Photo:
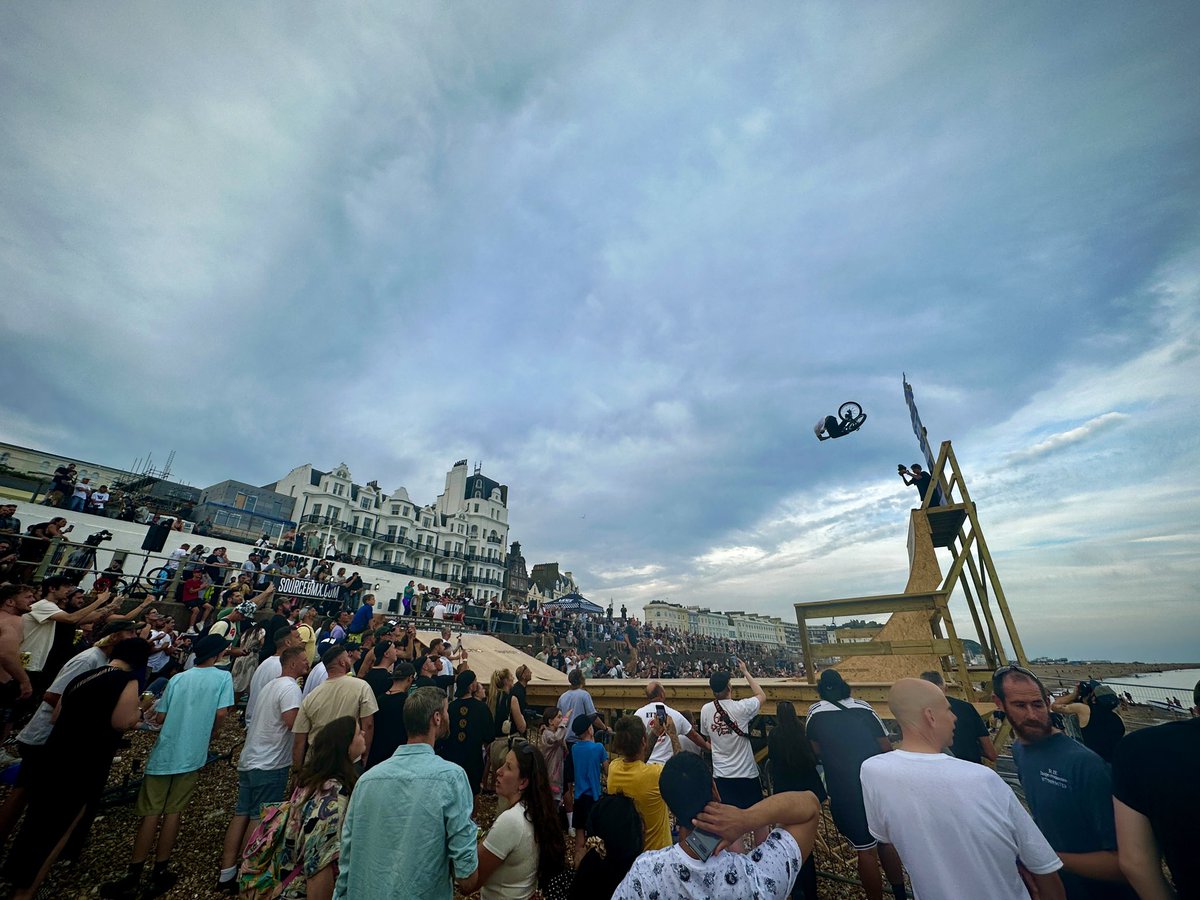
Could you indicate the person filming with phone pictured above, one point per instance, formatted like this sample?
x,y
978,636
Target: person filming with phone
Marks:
x,y
707,827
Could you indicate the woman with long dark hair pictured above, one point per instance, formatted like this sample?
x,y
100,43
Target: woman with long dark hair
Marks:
x,y
313,827
616,821
525,848
794,768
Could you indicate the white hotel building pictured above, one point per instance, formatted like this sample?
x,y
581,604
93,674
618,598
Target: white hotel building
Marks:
x,y
460,538
741,626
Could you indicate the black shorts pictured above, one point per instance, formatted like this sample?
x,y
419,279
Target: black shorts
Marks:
x,y
568,767
583,809
850,817
10,694
740,792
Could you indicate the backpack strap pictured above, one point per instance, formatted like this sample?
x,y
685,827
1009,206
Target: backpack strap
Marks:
x,y
728,719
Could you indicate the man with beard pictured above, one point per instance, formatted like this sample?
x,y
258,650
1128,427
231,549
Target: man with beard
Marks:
x,y
1068,788
408,830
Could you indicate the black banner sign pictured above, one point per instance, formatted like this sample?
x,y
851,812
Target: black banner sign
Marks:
x,y
314,590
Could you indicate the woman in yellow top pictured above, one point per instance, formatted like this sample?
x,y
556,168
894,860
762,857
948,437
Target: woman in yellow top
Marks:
x,y
631,775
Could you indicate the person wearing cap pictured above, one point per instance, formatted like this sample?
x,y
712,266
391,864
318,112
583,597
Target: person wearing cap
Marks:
x,y
191,710
590,763
383,659
1068,789
844,732
390,732
1095,705
32,738
471,730
767,872
429,670
280,619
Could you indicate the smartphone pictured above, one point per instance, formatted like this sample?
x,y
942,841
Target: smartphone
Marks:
x,y
661,712
702,843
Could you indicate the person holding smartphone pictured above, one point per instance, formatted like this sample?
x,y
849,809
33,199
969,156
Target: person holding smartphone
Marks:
x,y
707,828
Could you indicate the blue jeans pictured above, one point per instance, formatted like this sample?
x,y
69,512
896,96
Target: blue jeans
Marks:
x,y
75,504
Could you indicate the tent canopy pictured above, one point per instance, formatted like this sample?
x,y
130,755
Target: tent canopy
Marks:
x,y
574,602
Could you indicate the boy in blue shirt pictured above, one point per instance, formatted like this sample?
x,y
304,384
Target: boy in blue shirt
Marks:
x,y
590,760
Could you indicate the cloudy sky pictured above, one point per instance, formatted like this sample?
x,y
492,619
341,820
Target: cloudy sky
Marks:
x,y
625,255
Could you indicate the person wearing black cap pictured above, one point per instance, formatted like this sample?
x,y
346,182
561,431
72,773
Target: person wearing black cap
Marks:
x,y
95,710
428,668
767,872
726,723
471,729
192,709
379,676
845,732
590,762
390,732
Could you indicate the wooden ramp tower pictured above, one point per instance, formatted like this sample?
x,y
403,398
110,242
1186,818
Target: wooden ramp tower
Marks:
x,y
921,634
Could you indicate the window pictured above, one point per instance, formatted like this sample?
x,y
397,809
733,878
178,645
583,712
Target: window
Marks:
x,y
454,571
476,507
395,509
339,490
405,513
387,556
362,550
316,510
458,546
403,532
333,513
391,531
354,524
230,520
245,501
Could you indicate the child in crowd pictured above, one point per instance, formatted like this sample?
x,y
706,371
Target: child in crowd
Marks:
x,y
591,762
553,746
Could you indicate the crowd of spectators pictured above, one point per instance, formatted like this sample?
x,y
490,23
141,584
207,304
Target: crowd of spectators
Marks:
x,y
366,752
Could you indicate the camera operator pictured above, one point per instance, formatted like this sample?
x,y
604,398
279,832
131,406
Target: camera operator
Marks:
x,y
920,479
1094,704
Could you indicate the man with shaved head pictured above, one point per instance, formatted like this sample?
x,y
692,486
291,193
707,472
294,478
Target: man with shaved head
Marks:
x,y
959,829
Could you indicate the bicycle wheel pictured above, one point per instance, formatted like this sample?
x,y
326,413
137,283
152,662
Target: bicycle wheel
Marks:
x,y
159,579
849,411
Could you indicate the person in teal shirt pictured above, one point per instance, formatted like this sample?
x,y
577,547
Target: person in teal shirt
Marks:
x,y
408,831
191,711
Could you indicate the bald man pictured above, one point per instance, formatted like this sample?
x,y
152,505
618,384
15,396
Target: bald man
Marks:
x,y
959,829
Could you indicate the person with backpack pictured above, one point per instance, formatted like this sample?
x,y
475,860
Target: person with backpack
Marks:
x,y
294,852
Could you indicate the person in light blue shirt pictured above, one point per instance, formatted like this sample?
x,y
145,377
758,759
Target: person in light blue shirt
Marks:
x,y
191,711
408,831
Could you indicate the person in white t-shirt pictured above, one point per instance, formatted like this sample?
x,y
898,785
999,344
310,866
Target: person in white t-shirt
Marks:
x,y
525,847
266,757
959,829
726,723
439,610
98,500
656,697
